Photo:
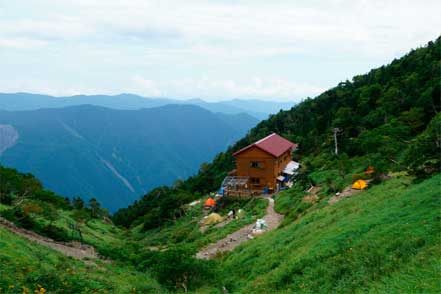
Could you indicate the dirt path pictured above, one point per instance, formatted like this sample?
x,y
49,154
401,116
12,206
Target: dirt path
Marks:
x,y
73,249
312,196
347,192
231,241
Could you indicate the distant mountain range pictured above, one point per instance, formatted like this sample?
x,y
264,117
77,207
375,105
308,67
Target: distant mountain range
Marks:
x,y
114,155
25,101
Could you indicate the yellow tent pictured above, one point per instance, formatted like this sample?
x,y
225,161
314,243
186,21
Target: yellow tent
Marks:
x,y
359,185
212,219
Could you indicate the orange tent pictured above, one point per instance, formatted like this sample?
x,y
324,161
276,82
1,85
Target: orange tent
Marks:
x,y
370,170
210,202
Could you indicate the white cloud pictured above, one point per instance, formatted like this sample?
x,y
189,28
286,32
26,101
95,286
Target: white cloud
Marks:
x,y
175,42
21,43
381,26
212,89
146,87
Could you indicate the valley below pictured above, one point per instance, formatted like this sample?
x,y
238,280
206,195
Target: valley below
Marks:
x,y
115,155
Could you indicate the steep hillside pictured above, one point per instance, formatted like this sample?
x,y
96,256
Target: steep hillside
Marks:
x,y
115,155
378,115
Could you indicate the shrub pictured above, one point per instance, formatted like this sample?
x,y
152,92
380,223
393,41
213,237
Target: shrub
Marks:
x,y
423,155
55,233
50,197
176,269
152,219
8,198
17,216
356,177
31,207
114,253
81,215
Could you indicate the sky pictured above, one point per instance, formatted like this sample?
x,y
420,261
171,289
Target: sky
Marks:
x,y
214,50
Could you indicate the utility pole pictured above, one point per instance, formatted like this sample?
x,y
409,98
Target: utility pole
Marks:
x,y
336,130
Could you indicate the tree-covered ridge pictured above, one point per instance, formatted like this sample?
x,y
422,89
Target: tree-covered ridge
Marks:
x,y
379,114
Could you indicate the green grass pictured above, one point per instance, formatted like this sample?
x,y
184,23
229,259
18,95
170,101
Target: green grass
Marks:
x,y
94,231
289,203
26,264
385,239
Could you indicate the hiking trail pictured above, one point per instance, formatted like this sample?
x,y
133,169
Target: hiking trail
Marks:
x,y
272,219
73,249
346,193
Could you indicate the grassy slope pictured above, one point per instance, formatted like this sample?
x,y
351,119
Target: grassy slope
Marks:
x,y
28,264
384,239
95,231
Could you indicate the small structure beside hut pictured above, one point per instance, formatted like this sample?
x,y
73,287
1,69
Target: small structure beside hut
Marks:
x,y
262,167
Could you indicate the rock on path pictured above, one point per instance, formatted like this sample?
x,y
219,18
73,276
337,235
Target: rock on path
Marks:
x,y
272,219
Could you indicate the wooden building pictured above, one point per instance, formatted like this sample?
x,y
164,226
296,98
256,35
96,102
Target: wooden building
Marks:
x,y
264,164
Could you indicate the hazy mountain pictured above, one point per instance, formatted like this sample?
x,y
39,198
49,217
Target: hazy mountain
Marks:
x,y
114,155
25,101
260,106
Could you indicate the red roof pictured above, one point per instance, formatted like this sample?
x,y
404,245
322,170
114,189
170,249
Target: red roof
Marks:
x,y
272,144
